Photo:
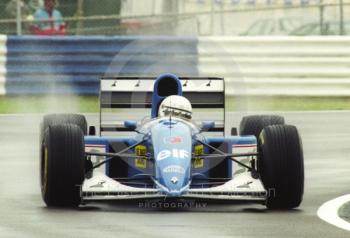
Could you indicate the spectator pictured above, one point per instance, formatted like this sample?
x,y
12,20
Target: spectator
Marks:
x,y
48,20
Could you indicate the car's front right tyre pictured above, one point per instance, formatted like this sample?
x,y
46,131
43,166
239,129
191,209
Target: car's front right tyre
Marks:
x,y
62,165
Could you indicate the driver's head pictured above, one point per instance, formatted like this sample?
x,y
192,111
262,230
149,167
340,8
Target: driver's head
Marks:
x,y
49,5
177,106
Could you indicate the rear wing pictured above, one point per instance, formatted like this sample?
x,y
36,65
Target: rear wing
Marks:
x,y
130,98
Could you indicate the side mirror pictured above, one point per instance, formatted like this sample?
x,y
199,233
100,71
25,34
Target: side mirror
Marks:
x,y
207,125
130,125
234,131
92,131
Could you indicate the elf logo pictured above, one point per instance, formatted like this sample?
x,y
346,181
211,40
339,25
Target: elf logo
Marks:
x,y
175,153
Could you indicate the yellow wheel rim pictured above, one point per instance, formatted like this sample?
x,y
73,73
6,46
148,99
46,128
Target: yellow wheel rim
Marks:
x,y
45,167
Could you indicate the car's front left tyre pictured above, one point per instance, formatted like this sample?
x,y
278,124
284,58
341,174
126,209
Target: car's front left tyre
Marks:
x,y
62,165
281,166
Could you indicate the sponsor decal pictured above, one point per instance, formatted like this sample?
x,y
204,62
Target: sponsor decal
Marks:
x,y
174,180
245,185
141,163
174,153
174,169
173,140
198,163
98,185
198,151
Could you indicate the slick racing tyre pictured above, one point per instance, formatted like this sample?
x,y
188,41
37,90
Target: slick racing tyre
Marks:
x,y
59,119
62,165
281,166
253,125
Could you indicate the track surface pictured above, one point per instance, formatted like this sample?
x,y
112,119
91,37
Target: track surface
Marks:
x,y
326,139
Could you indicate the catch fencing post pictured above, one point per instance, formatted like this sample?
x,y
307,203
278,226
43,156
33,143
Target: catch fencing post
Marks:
x,y
18,18
321,16
341,16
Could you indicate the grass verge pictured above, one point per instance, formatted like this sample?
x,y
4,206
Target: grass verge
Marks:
x,y
57,103
288,103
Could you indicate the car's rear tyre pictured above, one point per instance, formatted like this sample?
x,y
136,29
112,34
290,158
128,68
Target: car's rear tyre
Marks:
x,y
281,166
253,125
62,165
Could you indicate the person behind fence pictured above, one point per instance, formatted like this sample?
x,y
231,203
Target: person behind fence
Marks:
x,y
48,20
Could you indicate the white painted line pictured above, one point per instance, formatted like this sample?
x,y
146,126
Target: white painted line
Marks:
x,y
329,212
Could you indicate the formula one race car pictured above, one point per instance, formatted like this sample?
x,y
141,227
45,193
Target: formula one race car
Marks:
x,y
173,153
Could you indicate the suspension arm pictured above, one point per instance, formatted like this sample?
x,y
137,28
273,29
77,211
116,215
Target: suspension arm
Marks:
x,y
226,155
119,154
115,155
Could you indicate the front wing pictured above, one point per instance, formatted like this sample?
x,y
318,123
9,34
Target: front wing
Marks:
x,y
242,187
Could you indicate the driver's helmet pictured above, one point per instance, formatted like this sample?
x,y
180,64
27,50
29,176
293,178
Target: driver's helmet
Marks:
x,y
177,106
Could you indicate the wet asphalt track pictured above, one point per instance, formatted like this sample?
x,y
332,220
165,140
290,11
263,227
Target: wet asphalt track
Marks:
x,y
326,138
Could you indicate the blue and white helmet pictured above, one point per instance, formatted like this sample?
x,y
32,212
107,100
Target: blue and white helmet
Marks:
x,y
177,106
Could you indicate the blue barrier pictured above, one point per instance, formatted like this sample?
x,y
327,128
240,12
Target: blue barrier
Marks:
x,y
42,65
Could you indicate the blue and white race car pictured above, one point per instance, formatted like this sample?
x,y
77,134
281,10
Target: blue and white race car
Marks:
x,y
172,153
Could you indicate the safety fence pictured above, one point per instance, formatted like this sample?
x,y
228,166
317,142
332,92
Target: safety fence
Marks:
x,y
287,66
33,65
